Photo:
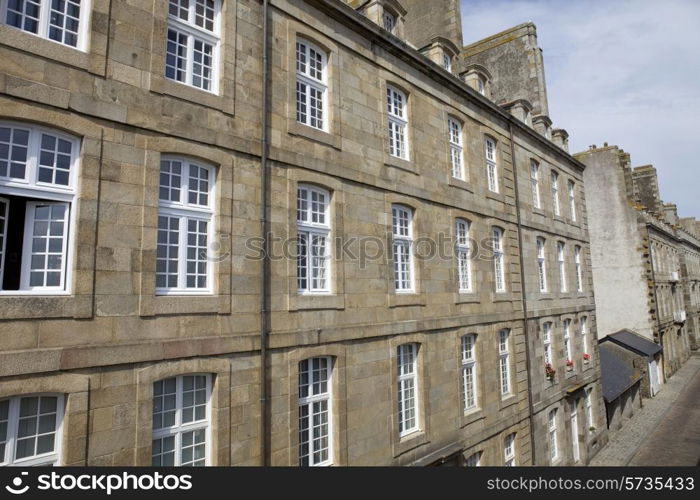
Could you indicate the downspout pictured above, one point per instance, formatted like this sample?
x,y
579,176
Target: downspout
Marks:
x,y
523,295
264,264
658,312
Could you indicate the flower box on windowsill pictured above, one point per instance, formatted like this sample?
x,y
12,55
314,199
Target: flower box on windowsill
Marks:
x,y
549,372
586,359
569,365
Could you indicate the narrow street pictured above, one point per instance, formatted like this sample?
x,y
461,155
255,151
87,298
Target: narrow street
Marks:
x,y
666,431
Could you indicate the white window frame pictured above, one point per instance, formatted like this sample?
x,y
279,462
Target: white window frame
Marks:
x,y
447,62
388,21
504,362
481,85
574,431
312,230
588,401
186,212
311,82
555,194
454,136
406,378
397,114
553,436
30,187
509,450
4,217
309,401
474,460
535,183
178,429
30,217
491,164
542,264
584,335
566,326
198,33
470,392
579,273
498,260
44,459
404,280
547,343
572,199
44,24
463,252
561,252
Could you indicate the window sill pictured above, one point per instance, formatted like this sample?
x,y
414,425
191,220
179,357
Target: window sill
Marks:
x,y
184,304
401,164
34,306
545,296
496,196
502,297
300,130
467,298
316,302
538,211
471,416
161,85
406,299
460,184
559,218
409,442
508,401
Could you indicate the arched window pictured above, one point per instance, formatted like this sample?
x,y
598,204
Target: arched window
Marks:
x,y
509,451
181,421
38,175
542,264
561,252
315,412
311,86
498,260
579,272
567,340
185,213
462,249
30,429
469,372
535,182
192,49
313,239
555,193
402,234
572,200
547,342
398,122
491,164
504,361
407,355
64,22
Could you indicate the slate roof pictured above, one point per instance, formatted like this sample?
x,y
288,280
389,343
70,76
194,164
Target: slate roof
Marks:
x,y
617,375
636,343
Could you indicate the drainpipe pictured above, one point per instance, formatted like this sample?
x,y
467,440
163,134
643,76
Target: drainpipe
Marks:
x,y
523,295
265,262
658,312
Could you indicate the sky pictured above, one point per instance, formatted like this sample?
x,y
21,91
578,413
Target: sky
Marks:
x,y
626,72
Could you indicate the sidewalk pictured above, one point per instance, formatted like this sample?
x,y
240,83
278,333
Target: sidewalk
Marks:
x,y
624,445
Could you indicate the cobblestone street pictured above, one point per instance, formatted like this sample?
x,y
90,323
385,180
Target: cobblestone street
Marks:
x,y
666,431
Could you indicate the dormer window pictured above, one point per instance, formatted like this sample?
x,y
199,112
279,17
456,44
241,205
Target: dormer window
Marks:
x,y
447,62
481,85
389,21
478,78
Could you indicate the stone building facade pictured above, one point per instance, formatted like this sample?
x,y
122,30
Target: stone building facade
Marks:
x,y
643,258
137,317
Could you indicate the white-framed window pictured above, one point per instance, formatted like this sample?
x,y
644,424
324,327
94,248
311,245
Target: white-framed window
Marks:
x,y
555,193
588,401
313,240
474,460
38,175
491,164
572,200
447,62
481,85
185,220
498,260
30,430
456,148
193,39
398,122
469,372
311,85
535,182
584,335
509,451
553,438
64,21
561,252
567,339
504,360
315,410
402,233
574,431
389,21
407,388
547,342
462,248
542,264
181,421
579,274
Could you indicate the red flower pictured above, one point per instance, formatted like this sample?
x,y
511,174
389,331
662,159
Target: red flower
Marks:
x,y
569,362
586,356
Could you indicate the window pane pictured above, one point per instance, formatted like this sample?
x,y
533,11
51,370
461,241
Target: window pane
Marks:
x,y
14,145
64,21
176,56
49,223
